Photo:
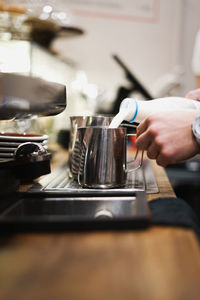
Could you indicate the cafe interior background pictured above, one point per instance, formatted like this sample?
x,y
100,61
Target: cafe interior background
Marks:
x,y
153,40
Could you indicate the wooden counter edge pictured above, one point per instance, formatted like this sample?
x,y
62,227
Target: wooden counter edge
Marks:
x,y
164,185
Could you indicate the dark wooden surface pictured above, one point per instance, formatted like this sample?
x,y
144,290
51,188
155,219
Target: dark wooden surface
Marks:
x,y
157,263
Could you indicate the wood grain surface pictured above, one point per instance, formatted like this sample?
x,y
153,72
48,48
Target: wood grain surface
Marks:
x,y
165,188
158,263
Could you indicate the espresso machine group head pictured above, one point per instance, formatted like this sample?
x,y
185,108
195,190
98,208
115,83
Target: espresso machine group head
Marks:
x,y
22,96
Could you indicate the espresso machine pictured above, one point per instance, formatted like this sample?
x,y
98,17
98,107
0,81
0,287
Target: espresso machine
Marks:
x,y
23,156
55,200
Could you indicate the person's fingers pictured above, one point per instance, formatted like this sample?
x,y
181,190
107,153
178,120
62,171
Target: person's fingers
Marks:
x,y
142,127
146,133
166,157
162,160
143,141
153,151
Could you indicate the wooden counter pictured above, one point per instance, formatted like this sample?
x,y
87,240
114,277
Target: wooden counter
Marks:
x,y
158,263
165,188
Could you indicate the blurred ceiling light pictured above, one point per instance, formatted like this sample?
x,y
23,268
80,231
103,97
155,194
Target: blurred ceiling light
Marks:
x,y
47,9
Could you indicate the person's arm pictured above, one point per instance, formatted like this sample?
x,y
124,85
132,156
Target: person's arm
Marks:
x,y
167,137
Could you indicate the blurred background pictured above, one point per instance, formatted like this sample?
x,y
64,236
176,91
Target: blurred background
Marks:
x,y
105,51
74,42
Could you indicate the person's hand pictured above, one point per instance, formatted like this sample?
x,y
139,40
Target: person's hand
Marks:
x,y
194,94
167,137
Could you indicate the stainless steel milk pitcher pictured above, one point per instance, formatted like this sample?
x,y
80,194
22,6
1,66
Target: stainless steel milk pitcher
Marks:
x,y
74,145
103,157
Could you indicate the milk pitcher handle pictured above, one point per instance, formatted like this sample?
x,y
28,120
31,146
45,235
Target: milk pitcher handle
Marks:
x,y
135,158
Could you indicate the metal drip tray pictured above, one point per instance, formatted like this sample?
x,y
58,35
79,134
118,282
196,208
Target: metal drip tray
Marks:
x,y
57,203
59,182
67,213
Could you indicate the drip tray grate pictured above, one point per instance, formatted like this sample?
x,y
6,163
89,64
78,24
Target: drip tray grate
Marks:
x,y
59,181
